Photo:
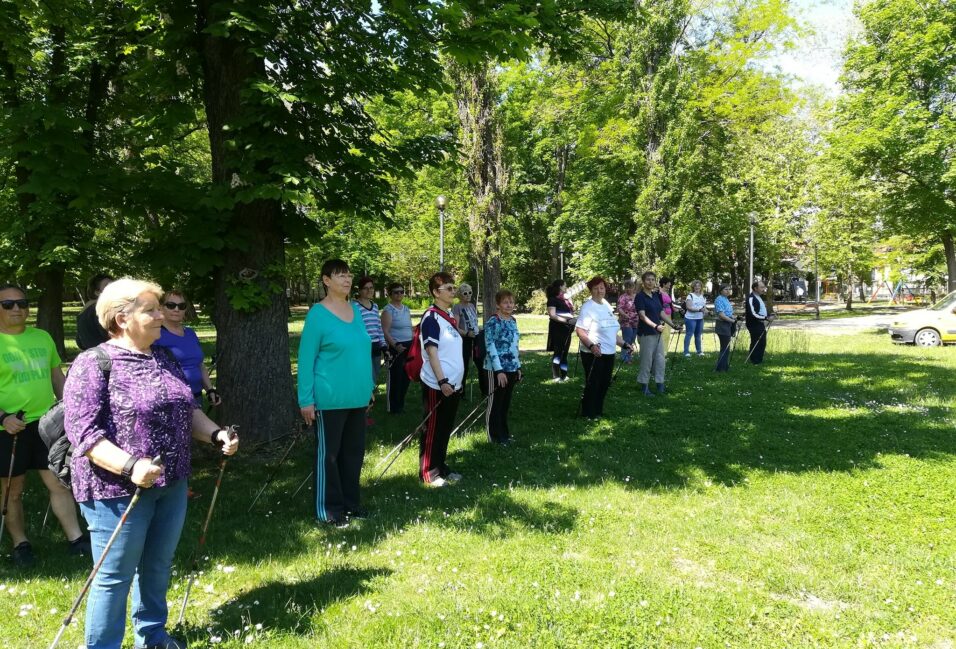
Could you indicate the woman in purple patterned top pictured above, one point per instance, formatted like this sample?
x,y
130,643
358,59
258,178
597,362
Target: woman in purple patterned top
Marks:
x,y
117,421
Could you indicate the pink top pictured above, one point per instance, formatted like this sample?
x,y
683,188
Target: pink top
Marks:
x,y
667,303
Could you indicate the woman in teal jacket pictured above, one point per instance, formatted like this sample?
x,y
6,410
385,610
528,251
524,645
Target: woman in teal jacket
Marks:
x,y
335,389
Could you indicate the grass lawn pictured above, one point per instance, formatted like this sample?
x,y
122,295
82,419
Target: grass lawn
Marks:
x,y
805,503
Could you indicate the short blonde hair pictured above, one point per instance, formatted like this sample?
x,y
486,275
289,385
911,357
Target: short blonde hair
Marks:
x,y
118,296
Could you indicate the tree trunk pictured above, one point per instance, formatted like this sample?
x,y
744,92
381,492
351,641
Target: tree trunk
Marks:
x,y
252,349
481,150
849,289
950,250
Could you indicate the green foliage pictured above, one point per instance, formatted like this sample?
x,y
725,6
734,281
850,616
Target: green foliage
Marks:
x,y
896,125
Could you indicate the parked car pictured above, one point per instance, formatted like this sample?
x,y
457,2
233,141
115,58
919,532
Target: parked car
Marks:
x,y
928,327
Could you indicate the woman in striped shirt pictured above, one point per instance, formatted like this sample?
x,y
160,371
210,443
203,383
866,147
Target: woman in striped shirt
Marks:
x,y
372,321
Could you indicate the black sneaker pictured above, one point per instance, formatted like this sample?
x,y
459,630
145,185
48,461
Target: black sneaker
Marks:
x,y
23,555
338,522
168,643
81,547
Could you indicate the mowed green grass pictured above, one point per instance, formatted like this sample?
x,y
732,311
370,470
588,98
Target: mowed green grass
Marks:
x,y
805,503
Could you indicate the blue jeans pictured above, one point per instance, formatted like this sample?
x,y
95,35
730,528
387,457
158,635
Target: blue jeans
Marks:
x,y
141,557
694,328
629,334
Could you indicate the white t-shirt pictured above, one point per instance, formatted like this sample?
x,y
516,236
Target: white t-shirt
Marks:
x,y
598,319
435,330
696,302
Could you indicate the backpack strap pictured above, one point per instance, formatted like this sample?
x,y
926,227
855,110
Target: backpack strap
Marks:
x,y
104,360
449,319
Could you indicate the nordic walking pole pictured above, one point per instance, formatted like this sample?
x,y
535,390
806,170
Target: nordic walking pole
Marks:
x,y
301,486
45,517
275,471
759,338
156,461
205,528
6,496
397,450
472,415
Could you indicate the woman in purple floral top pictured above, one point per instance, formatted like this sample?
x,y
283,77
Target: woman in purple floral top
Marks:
x,y
627,316
117,421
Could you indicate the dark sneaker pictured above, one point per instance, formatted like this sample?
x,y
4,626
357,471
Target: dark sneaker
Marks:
x,y
80,547
359,513
168,643
338,522
23,555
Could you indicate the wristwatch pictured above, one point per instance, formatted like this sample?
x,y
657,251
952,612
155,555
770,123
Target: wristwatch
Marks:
x,y
442,382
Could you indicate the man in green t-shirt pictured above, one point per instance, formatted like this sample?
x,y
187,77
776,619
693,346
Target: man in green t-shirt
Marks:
x,y
30,383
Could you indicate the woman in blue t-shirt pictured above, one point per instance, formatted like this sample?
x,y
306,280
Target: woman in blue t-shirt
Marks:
x,y
183,342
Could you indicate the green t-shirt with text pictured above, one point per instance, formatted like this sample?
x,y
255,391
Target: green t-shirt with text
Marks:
x,y
26,362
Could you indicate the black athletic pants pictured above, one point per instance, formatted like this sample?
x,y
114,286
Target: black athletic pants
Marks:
x,y
397,381
340,451
433,444
499,402
758,341
597,380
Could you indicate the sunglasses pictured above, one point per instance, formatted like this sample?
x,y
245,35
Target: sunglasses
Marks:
x,y
447,287
172,306
466,292
9,304
398,291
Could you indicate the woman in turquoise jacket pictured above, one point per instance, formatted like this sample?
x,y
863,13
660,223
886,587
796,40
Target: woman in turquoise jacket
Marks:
x,y
335,389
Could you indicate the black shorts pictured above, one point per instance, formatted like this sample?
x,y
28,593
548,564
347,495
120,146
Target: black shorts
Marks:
x,y
31,451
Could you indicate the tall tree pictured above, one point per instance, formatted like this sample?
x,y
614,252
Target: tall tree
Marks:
x,y
896,124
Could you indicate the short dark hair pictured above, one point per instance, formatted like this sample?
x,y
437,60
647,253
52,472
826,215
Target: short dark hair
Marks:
x,y
725,286
93,284
10,285
757,282
365,279
554,288
394,285
594,281
174,291
665,280
334,267
437,280
502,294
648,273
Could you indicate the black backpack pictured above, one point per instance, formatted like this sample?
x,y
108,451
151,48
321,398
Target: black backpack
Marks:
x,y
53,431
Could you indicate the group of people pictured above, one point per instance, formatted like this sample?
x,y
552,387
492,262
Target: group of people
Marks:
x,y
133,403
336,384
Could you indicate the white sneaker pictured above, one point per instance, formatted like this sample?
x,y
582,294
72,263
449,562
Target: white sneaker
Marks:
x,y
453,477
686,354
699,354
437,482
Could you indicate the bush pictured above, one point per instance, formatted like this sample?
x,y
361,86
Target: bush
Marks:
x,y
537,303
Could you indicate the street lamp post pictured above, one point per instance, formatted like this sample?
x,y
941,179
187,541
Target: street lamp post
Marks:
x,y
441,201
753,222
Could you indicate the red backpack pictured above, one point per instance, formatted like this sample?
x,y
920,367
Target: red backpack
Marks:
x,y
415,358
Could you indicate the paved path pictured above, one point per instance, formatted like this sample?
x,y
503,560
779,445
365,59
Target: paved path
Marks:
x,y
842,326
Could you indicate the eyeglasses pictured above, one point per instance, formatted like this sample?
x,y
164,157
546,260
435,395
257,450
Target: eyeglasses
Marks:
x,y
447,287
398,291
172,306
9,304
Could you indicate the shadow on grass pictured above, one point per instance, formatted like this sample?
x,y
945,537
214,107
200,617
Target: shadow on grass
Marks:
x,y
798,412
289,606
